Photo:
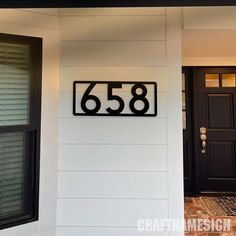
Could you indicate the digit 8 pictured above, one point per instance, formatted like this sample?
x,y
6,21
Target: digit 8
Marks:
x,y
137,97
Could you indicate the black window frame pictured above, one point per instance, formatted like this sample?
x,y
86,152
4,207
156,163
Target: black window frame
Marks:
x,y
32,133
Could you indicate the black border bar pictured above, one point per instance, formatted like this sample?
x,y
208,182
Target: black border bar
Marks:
x,y
111,3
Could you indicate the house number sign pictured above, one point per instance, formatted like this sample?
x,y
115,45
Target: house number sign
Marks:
x,y
116,98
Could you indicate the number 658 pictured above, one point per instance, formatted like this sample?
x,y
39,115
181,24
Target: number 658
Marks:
x,y
138,90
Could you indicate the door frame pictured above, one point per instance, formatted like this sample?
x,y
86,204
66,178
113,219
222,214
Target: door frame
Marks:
x,y
189,180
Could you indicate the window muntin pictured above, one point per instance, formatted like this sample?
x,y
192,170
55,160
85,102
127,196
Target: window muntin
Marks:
x,y
20,95
220,80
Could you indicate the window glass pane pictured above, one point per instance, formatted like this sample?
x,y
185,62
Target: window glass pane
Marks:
x,y
212,80
14,84
183,81
12,152
228,80
184,119
183,101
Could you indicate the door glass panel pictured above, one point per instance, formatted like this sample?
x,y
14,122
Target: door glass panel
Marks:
x,y
184,119
212,80
183,82
183,101
228,80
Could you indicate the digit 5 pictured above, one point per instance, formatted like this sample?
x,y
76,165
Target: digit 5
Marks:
x,y
110,96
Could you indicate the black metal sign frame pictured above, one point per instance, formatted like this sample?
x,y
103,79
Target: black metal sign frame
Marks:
x,y
117,112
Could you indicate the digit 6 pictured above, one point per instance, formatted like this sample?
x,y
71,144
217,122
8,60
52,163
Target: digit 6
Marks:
x,y
86,97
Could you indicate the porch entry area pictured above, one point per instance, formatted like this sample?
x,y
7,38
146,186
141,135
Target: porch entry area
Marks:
x,y
209,135
209,117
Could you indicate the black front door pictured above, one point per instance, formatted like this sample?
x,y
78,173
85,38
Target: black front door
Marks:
x,y
214,128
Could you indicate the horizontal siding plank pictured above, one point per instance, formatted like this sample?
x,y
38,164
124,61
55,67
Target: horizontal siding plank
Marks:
x,y
113,53
113,157
108,212
211,17
47,11
49,232
112,185
113,11
113,130
29,18
113,28
66,103
95,231
71,74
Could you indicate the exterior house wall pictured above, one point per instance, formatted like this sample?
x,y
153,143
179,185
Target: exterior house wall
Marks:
x,y
115,170
42,24
112,170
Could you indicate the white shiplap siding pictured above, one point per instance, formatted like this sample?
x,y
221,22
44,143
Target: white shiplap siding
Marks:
x,y
112,184
109,212
105,231
112,170
113,53
135,28
68,74
116,11
112,130
117,158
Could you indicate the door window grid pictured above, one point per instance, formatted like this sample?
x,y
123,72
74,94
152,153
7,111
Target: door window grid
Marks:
x,y
220,80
